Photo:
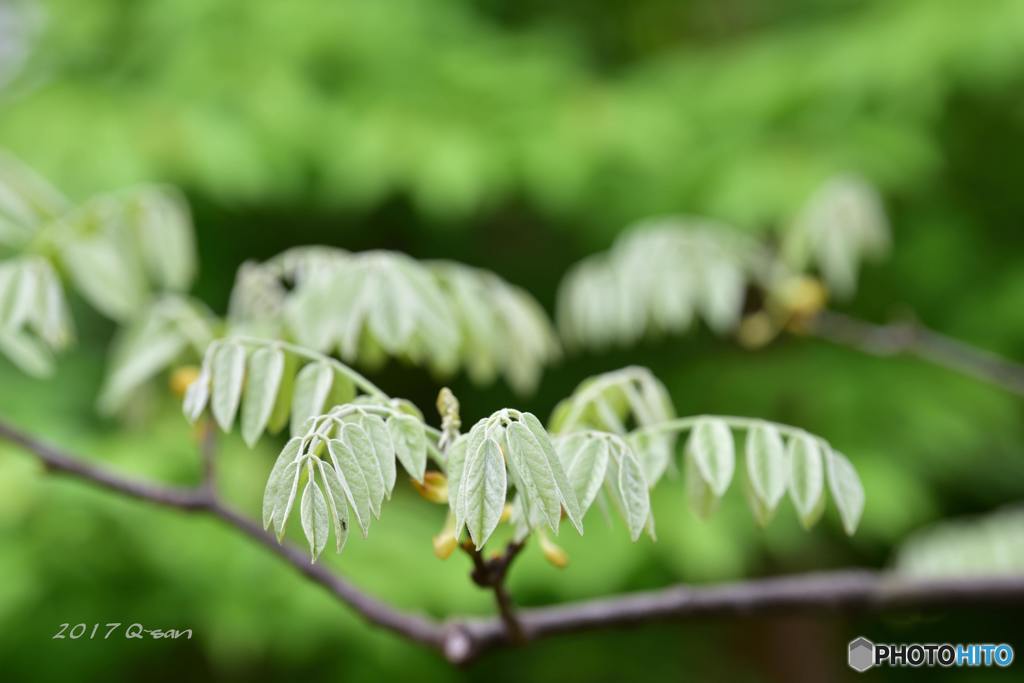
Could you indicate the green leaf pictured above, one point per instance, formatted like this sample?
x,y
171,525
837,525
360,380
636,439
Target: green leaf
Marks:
x,y
266,366
353,480
106,275
766,465
366,458
585,460
806,479
455,466
565,490
312,385
313,511
410,444
846,489
699,495
164,230
336,502
285,392
632,492
712,448
483,489
383,449
27,353
532,471
228,374
282,483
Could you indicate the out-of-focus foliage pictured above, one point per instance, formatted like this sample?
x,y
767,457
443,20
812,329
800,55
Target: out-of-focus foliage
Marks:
x,y
346,103
986,546
521,137
118,250
369,306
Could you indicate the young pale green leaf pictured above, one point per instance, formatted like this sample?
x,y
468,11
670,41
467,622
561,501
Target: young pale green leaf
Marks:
x,y
353,480
281,487
846,489
27,353
106,275
483,491
228,375
383,449
766,465
196,397
410,444
164,230
712,448
699,494
806,479
391,320
263,379
762,513
532,472
585,460
312,385
285,392
366,458
456,465
565,489
313,511
633,492
335,502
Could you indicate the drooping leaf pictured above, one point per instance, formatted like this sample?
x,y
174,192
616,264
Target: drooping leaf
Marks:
x,y
565,489
358,441
336,502
585,460
806,478
699,495
483,491
313,511
847,491
766,465
353,480
279,494
633,492
533,474
383,449
410,444
312,385
263,378
455,466
228,375
713,453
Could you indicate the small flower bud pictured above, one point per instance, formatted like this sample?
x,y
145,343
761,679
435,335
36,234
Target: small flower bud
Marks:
x,y
434,487
181,378
553,553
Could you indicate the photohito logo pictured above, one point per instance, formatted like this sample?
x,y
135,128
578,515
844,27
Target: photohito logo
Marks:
x,y
862,654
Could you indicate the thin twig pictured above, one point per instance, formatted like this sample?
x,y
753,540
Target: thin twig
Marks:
x,y
491,574
917,340
463,639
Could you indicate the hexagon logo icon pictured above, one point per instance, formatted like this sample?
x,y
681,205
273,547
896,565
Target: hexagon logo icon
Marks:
x,y
861,654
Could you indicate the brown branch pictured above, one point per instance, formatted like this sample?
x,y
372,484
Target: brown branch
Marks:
x,y
202,499
461,640
491,574
915,339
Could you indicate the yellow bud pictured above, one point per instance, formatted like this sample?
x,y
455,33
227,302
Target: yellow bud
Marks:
x,y
506,513
800,296
181,378
434,487
445,544
553,553
756,330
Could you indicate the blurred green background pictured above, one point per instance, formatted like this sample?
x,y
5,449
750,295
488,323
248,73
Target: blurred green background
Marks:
x,y
520,136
